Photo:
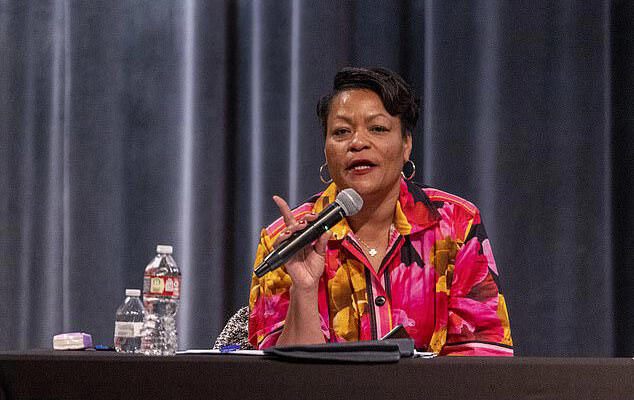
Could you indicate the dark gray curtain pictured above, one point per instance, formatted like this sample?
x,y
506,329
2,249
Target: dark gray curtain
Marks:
x,y
132,123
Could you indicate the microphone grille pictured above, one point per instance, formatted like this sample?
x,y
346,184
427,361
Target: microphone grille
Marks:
x,y
350,201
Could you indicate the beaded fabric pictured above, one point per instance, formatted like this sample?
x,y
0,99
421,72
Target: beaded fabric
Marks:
x,y
236,331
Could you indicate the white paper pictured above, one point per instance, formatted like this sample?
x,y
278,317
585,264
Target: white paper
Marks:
x,y
214,351
424,354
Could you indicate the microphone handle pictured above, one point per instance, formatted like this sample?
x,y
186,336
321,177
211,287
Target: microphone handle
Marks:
x,y
284,251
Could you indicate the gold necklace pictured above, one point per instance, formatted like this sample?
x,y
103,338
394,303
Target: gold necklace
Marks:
x,y
371,250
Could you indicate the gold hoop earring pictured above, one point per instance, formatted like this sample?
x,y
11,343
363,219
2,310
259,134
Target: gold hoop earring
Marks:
x,y
408,178
321,174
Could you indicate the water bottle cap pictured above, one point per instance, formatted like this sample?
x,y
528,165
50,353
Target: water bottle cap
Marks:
x,y
164,249
132,292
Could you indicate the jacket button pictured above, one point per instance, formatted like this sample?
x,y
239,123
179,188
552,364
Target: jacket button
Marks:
x,y
379,301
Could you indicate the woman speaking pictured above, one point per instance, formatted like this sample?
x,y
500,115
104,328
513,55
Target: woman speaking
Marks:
x,y
414,256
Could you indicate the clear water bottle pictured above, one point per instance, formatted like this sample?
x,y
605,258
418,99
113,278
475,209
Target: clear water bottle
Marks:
x,y
128,323
161,296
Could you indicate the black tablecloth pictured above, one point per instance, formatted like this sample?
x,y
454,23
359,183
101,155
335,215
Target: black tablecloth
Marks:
x,y
107,375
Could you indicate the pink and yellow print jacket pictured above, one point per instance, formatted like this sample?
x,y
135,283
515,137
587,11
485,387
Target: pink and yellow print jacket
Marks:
x,y
438,279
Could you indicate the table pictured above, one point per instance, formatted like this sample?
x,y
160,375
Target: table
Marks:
x,y
107,375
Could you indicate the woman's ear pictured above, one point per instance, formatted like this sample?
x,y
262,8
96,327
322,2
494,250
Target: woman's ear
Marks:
x,y
407,147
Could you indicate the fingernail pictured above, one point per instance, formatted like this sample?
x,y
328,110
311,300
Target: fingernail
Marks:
x,y
287,231
302,222
312,213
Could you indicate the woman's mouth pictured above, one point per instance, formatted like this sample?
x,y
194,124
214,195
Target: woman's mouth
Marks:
x,y
360,166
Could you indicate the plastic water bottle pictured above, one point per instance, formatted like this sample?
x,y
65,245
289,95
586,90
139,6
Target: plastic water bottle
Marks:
x,y
161,296
128,323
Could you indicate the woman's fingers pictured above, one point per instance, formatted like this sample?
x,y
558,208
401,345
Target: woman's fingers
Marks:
x,y
285,210
321,243
298,226
282,236
310,217
291,223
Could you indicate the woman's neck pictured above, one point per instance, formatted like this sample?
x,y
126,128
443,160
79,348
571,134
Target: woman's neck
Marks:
x,y
375,218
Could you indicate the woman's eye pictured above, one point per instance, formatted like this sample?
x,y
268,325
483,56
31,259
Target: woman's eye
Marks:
x,y
379,129
339,132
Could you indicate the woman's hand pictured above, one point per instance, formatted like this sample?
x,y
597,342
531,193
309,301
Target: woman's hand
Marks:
x,y
302,324
307,266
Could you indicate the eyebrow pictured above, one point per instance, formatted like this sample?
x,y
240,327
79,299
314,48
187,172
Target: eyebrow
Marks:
x,y
368,118
373,116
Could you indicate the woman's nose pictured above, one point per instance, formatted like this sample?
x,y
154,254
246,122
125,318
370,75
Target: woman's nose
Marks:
x,y
359,140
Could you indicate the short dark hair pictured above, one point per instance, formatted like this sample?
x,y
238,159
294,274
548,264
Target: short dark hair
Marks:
x,y
397,95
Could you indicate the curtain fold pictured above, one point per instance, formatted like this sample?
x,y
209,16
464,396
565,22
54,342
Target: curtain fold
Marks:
x,y
125,125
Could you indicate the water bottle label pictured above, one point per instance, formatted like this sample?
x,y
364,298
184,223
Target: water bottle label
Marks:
x,y
128,329
168,286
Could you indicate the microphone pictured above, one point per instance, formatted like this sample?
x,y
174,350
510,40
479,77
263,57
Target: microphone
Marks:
x,y
348,202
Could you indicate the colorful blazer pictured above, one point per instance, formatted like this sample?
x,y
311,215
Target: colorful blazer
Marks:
x,y
438,279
